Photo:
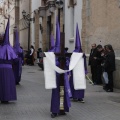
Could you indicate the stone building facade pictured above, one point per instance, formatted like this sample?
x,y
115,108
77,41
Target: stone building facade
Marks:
x,y
24,24
69,17
72,17
44,13
102,23
9,7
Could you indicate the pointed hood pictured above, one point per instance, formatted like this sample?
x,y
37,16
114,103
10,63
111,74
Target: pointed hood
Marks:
x,y
57,43
78,47
16,46
6,35
52,44
6,51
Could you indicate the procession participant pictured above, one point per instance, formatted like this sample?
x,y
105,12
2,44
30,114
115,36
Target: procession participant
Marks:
x,y
19,52
55,99
77,95
7,80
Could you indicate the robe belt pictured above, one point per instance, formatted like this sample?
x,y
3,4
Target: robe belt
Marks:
x,y
5,66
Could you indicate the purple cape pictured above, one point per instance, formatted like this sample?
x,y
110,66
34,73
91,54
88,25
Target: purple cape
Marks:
x,y
7,80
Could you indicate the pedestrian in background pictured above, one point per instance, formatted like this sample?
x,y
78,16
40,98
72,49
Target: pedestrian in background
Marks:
x,y
93,63
99,59
17,67
39,54
32,53
110,66
104,73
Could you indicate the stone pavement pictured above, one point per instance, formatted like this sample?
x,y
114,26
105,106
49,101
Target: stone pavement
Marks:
x,y
34,101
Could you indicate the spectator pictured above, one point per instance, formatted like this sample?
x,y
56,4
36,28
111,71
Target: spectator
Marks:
x,y
99,58
110,66
93,63
105,75
32,52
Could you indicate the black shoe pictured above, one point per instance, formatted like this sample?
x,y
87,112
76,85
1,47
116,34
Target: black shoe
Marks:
x,y
110,90
75,100
81,100
62,113
105,88
53,115
4,102
17,83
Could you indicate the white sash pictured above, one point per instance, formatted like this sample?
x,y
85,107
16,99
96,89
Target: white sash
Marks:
x,y
76,64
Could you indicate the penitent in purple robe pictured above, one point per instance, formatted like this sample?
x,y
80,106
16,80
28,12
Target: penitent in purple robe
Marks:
x,y
17,67
7,80
77,94
55,98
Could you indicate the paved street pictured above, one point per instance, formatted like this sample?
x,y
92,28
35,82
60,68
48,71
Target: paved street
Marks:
x,y
34,101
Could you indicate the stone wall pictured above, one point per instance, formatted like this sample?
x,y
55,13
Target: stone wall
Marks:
x,y
102,23
23,25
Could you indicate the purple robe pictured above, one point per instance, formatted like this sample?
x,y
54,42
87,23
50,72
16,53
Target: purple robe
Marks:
x,y
77,94
7,80
55,99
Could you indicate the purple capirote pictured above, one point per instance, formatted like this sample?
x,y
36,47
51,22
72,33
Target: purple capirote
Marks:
x,y
57,43
55,98
7,80
77,94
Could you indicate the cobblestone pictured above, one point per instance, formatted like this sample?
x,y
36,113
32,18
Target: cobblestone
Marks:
x,y
33,101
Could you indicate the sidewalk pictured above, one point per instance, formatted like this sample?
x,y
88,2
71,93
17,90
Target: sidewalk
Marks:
x,y
34,101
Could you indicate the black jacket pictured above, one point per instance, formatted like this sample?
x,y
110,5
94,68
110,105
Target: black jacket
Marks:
x,y
93,54
110,62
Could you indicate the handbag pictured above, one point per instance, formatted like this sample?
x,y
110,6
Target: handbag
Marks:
x,y
105,76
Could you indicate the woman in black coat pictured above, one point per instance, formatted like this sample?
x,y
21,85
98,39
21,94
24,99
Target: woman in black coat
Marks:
x,y
110,66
